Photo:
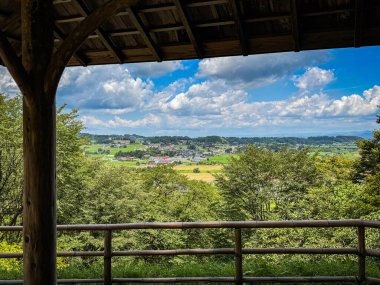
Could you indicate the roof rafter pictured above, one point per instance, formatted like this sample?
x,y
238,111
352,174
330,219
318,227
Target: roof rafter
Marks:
x,y
101,34
295,24
189,28
239,27
144,34
79,57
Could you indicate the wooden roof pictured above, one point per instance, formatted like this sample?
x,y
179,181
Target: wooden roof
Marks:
x,y
156,30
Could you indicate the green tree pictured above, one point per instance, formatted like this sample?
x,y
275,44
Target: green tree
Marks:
x,y
261,182
70,161
368,169
11,165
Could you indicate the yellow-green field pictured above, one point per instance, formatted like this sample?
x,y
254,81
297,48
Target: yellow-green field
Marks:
x,y
206,172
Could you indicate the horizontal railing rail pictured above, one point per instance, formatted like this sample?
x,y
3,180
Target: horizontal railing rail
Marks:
x,y
238,251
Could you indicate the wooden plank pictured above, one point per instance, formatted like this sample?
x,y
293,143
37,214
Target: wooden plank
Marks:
x,y
100,32
215,23
56,2
206,3
144,34
324,13
239,27
188,26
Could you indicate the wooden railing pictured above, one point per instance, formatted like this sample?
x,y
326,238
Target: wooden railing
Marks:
x,y
238,251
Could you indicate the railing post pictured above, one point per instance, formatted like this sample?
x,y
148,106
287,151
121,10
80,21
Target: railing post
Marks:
x,y
361,248
238,258
107,257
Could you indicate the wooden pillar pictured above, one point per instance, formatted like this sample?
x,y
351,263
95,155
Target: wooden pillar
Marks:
x,y
39,217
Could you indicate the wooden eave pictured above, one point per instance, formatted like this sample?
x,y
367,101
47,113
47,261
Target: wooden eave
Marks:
x,y
159,30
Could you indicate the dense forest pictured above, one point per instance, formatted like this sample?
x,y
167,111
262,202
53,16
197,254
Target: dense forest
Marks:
x,y
259,184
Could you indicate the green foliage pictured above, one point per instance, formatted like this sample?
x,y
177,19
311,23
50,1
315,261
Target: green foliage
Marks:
x,y
9,265
262,181
367,169
10,160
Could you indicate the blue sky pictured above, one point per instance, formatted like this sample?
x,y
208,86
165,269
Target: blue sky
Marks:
x,y
285,94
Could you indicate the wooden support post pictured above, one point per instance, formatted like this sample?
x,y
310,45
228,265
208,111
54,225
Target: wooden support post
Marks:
x,y
39,217
107,257
238,258
361,248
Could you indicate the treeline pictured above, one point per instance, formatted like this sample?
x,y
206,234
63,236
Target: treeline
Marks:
x,y
291,141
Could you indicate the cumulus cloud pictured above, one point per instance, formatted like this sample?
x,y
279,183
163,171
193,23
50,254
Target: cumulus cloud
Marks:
x,y
314,78
109,88
259,70
206,98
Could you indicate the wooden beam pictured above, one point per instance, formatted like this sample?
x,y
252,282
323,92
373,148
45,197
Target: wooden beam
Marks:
x,y
359,13
101,33
207,3
295,24
13,63
214,24
144,34
239,27
78,36
79,57
267,18
158,8
188,26
56,2
323,13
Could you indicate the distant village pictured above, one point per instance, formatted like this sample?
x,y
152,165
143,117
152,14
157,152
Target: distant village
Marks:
x,y
164,153
184,150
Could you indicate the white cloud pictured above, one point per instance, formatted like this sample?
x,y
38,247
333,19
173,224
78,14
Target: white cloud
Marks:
x,y
104,88
150,120
259,70
206,98
314,78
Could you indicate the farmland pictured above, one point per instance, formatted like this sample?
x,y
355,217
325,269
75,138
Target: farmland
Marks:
x,y
201,158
